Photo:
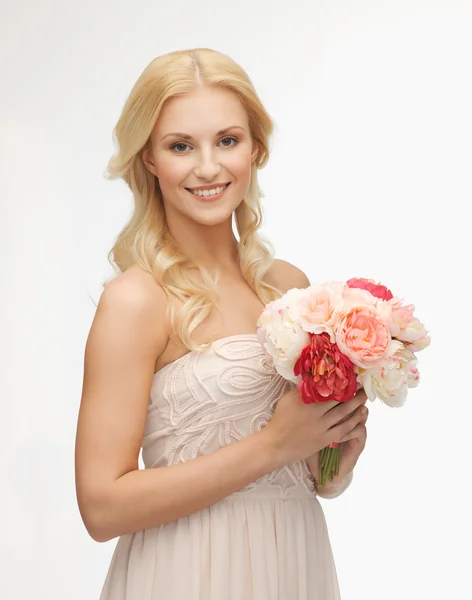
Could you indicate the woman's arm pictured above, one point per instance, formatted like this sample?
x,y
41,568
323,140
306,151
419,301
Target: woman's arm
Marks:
x,y
115,497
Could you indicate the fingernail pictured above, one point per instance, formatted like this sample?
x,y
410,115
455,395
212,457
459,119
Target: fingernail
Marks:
x,y
364,410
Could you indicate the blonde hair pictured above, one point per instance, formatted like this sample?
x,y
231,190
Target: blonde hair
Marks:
x,y
145,239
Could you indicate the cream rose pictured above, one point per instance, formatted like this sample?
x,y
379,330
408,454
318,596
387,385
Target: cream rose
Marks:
x,y
316,310
282,337
391,380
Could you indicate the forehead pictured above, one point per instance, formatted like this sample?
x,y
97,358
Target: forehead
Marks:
x,y
204,110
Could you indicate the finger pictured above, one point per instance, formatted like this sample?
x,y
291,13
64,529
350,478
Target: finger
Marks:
x,y
329,405
361,395
338,430
343,411
358,433
363,418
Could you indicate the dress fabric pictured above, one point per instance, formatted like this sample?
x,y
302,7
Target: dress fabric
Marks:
x,y
268,541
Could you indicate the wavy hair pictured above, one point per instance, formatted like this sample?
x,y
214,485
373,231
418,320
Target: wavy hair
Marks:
x,y
145,239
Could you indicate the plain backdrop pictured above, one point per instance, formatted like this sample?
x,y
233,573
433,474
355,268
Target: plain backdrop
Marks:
x,y
370,176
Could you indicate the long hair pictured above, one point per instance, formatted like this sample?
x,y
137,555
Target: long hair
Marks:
x,y
145,240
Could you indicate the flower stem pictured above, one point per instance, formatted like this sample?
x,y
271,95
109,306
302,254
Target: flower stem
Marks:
x,y
329,464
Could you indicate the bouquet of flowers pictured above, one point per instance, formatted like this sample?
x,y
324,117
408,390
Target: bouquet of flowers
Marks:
x,y
336,338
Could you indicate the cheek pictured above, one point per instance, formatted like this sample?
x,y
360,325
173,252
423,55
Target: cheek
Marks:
x,y
170,170
240,165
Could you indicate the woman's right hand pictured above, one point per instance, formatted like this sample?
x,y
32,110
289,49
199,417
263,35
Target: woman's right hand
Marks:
x,y
298,430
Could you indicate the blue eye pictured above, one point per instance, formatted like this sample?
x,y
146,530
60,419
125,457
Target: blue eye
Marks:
x,y
230,139
178,147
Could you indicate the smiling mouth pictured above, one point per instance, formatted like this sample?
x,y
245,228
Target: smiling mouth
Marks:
x,y
209,193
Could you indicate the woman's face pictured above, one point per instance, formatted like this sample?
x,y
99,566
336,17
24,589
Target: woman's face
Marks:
x,y
202,154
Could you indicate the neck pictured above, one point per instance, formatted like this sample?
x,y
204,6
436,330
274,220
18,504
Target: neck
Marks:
x,y
209,246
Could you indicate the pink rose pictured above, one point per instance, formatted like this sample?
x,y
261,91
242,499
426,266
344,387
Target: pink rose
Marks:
x,y
376,289
363,336
404,326
401,316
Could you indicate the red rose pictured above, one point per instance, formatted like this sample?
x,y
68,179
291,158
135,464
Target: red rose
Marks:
x,y
326,373
376,289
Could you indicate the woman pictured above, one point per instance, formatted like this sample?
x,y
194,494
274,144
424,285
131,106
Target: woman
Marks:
x,y
227,506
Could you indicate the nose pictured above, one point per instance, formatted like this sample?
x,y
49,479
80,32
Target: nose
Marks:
x,y
207,167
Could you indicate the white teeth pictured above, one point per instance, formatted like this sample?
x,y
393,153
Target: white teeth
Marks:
x,y
205,193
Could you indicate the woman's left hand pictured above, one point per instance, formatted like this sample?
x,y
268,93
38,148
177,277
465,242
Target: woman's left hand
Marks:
x,y
351,447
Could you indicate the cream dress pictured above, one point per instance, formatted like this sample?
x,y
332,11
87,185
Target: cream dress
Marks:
x,y
267,541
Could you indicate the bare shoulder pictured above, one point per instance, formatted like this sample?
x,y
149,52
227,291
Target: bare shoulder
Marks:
x,y
131,312
135,290
285,276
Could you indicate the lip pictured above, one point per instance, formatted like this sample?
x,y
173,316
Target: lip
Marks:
x,y
208,198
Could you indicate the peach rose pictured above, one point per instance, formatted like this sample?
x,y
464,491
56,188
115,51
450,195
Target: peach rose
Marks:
x,y
363,336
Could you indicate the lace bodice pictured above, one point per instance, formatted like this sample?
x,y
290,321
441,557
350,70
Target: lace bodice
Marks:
x,y
206,400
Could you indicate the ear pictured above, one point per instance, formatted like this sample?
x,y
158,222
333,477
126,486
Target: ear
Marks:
x,y
148,159
255,151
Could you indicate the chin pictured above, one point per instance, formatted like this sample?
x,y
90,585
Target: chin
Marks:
x,y
215,216
213,220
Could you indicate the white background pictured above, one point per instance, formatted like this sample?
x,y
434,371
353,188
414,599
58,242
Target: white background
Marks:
x,y
370,176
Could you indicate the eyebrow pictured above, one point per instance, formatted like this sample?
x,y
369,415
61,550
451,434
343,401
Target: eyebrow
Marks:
x,y
185,136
